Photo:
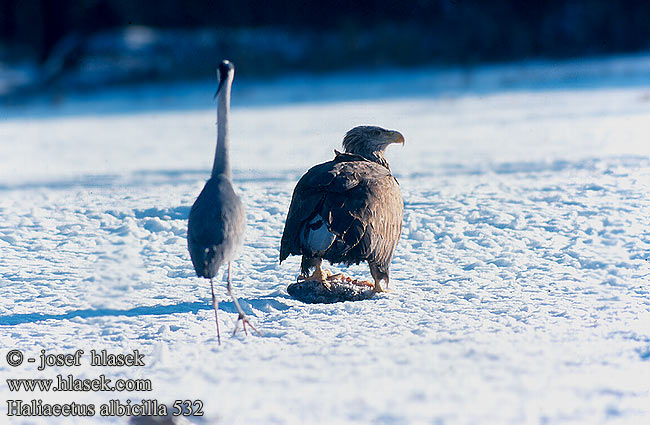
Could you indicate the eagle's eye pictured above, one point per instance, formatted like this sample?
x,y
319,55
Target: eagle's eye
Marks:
x,y
375,133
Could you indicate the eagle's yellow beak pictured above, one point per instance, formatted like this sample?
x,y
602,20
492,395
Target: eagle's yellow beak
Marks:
x,y
396,137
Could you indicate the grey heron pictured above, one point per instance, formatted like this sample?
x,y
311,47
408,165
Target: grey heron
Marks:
x,y
215,229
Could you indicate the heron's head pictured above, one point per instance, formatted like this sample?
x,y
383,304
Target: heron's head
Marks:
x,y
225,74
370,141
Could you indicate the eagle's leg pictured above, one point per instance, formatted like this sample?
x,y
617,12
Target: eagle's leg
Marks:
x,y
378,287
242,316
319,274
378,276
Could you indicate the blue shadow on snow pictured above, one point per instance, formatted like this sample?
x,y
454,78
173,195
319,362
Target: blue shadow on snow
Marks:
x,y
186,307
154,310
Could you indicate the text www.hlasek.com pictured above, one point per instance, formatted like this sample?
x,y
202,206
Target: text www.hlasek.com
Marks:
x,y
70,383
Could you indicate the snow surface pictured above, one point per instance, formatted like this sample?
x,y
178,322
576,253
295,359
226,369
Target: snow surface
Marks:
x,y
520,285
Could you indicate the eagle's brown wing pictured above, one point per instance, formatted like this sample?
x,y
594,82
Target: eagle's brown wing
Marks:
x,y
361,204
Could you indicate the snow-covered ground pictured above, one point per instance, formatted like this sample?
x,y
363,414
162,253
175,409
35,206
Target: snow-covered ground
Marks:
x,y
521,284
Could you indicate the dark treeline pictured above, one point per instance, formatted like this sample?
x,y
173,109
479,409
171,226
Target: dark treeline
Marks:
x,y
446,30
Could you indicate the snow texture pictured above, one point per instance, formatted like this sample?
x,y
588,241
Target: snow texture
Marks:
x,y
520,286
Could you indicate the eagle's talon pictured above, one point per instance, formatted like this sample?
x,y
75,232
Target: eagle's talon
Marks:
x,y
378,288
319,275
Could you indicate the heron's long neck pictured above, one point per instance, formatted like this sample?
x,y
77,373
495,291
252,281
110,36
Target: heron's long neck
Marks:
x,y
222,155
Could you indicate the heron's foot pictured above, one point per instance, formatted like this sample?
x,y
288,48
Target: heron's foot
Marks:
x,y
244,319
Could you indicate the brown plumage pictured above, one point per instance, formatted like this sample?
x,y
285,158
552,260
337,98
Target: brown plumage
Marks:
x,y
349,209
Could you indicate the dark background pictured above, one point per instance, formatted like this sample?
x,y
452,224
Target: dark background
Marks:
x,y
317,36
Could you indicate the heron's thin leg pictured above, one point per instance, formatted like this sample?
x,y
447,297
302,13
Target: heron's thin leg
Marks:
x,y
215,304
242,316
239,309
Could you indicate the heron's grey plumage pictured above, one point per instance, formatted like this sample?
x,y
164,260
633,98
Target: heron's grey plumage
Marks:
x,y
349,209
215,229
216,225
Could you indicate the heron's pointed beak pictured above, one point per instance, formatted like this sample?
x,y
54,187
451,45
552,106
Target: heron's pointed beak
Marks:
x,y
223,80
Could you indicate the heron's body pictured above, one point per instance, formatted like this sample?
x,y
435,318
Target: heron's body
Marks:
x,y
347,210
216,227
217,221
